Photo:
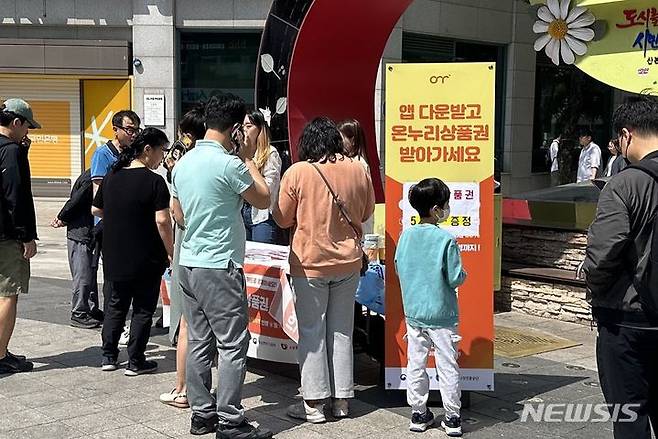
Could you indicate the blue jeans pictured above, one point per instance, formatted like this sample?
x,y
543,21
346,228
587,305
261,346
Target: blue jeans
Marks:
x,y
263,232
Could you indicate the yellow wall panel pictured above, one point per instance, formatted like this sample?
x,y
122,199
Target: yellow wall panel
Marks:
x,y
102,99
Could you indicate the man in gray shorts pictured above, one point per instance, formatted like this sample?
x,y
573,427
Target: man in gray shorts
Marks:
x,y
18,229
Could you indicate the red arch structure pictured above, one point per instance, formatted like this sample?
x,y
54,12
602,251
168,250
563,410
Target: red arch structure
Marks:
x,y
334,67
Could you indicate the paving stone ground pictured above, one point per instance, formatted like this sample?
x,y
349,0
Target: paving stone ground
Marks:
x,y
67,395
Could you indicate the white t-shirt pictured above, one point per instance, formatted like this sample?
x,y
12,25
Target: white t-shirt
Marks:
x,y
590,157
555,146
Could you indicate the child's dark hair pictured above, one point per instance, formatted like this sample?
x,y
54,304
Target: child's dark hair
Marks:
x,y
428,193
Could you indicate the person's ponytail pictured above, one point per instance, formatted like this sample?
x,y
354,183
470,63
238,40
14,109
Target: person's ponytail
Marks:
x,y
149,136
126,157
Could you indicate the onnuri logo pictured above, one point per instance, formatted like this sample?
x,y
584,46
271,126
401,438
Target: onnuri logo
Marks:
x,y
437,79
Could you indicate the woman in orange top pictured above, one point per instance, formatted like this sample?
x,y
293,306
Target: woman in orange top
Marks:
x,y
325,260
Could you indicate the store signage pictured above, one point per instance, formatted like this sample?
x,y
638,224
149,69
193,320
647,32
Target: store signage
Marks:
x,y
620,46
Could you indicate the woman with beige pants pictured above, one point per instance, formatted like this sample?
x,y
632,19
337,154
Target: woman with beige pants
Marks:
x,y
325,260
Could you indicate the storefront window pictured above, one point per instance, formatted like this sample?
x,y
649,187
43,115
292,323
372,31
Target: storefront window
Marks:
x,y
214,63
566,100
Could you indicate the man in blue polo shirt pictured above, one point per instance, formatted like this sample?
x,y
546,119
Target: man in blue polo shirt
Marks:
x,y
125,125
208,186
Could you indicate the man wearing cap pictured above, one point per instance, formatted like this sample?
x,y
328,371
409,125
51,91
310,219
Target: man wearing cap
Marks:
x,y
18,229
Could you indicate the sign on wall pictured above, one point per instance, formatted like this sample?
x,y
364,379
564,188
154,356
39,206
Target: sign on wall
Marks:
x,y
613,41
154,110
440,123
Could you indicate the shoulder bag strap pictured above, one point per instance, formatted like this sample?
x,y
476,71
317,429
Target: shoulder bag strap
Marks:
x,y
338,202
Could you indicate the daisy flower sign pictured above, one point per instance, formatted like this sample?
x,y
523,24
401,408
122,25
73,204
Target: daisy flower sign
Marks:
x,y
564,30
613,41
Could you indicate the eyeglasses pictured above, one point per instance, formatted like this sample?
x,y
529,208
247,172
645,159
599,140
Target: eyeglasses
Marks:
x,y
130,130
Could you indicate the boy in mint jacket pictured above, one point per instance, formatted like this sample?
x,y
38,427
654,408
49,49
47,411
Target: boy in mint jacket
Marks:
x,y
429,267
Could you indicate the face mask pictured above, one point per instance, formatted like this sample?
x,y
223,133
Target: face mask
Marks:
x,y
445,214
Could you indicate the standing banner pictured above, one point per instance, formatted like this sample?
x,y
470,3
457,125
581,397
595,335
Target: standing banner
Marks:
x,y
272,317
440,123
270,301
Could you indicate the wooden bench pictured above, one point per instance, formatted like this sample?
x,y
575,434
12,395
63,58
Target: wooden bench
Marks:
x,y
539,274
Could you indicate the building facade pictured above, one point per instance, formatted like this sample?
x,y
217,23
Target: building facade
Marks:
x,y
79,61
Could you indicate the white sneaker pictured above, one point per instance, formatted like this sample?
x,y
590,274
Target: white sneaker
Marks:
x,y
313,414
109,364
421,421
125,335
452,426
340,408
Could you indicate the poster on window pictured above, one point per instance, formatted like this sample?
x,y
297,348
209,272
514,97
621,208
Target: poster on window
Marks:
x,y
440,123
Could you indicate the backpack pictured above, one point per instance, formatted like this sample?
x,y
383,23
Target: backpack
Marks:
x,y
647,287
547,159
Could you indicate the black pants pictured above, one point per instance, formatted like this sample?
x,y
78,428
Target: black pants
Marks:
x,y
628,371
143,293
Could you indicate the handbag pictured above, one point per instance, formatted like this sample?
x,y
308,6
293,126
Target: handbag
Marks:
x,y
365,261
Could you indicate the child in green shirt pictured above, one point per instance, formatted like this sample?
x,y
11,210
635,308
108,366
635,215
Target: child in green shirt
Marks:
x,y
429,267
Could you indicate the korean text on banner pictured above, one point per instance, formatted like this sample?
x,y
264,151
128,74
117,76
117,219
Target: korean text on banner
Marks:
x,y
272,317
